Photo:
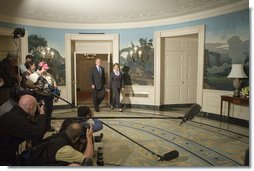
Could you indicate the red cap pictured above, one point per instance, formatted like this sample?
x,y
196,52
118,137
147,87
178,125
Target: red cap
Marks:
x,y
44,65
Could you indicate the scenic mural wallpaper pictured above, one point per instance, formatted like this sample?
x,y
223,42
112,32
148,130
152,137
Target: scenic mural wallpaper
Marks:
x,y
227,43
137,63
39,48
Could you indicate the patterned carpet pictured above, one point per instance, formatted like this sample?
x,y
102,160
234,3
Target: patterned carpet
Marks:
x,y
200,143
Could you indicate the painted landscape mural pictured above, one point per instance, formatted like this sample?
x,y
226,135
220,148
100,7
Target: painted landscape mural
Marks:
x,y
137,63
39,48
227,43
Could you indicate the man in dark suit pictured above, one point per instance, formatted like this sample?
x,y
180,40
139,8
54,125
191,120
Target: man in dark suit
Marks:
x,y
98,83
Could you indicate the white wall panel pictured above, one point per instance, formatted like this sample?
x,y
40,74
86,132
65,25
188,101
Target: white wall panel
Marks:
x,y
212,100
137,95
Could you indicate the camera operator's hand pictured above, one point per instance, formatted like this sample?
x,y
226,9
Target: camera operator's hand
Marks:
x,y
41,109
89,147
89,133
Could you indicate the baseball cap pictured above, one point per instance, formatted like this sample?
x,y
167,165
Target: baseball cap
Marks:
x,y
43,65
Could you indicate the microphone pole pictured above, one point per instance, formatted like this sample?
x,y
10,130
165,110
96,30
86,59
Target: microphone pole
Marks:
x,y
161,158
117,117
60,98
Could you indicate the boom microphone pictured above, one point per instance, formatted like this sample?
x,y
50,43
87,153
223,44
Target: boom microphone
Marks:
x,y
169,156
191,113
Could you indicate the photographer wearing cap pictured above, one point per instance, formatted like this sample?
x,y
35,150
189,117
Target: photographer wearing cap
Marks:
x,y
61,150
16,127
42,79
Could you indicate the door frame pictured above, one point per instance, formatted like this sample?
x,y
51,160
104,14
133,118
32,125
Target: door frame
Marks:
x,y
69,54
158,66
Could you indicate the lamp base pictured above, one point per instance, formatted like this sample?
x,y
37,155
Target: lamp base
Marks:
x,y
236,84
236,93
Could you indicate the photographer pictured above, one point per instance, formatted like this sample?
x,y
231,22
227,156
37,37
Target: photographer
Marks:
x,y
27,85
23,68
16,127
5,103
61,150
85,111
9,82
43,91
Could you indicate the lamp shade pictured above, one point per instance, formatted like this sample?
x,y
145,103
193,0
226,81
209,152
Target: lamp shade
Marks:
x,y
237,71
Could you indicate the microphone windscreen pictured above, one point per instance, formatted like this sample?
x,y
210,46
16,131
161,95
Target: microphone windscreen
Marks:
x,y
193,111
170,156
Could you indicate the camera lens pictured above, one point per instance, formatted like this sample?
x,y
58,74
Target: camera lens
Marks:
x,y
100,161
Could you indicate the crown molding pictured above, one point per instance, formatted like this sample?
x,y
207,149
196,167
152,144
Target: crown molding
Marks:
x,y
241,5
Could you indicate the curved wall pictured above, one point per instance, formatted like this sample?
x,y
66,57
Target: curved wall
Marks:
x,y
218,31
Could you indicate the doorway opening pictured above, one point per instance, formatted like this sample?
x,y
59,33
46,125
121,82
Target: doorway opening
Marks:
x,y
84,63
87,44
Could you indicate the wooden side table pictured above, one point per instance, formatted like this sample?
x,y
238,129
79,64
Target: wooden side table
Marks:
x,y
234,100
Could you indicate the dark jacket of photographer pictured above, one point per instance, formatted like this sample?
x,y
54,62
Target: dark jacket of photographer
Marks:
x,y
58,150
15,128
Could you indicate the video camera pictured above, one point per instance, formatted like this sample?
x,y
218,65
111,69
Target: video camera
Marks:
x,y
45,86
40,103
42,82
85,125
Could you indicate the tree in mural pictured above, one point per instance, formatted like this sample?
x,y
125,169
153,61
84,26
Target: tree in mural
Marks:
x,y
38,47
140,69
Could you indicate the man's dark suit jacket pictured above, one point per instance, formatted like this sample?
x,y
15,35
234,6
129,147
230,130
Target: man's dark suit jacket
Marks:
x,y
97,79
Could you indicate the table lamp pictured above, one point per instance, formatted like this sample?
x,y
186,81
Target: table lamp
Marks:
x,y
237,73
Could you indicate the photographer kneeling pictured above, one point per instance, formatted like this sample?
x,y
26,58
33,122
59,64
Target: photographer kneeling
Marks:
x,y
60,149
16,127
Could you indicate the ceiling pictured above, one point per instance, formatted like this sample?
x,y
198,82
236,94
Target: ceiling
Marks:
x,y
105,11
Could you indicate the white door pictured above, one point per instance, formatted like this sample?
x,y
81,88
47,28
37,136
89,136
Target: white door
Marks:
x,y
180,66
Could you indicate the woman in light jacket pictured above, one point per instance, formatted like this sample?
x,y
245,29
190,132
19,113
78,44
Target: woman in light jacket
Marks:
x,y
116,85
